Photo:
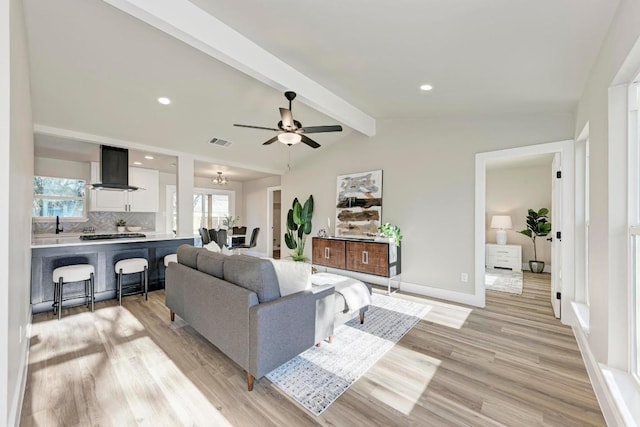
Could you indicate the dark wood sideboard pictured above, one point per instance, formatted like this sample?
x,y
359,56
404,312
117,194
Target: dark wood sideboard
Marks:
x,y
361,256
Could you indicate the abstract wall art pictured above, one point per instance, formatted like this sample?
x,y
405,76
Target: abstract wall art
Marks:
x,y
359,204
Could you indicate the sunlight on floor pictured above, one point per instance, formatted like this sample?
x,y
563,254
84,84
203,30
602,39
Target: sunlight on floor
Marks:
x,y
125,372
401,381
441,313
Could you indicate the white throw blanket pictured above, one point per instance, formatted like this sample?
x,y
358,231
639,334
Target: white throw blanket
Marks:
x,y
356,294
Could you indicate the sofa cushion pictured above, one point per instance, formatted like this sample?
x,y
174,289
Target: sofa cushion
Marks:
x,y
254,274
292,276
211,263
188,255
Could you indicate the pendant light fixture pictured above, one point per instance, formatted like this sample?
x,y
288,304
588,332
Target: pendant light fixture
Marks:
x,y
220,180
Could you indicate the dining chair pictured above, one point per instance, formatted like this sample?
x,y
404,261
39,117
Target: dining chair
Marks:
x,y
204,234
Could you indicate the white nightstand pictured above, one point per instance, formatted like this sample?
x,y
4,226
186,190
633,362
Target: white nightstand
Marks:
x,y
504,256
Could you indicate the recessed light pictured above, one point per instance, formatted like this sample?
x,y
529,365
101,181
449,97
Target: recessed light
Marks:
x,y
426,87
137,163
148,157
164,100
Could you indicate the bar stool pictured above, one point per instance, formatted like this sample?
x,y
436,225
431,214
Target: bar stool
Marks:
x,y
73,273
167,259
130,266
170,258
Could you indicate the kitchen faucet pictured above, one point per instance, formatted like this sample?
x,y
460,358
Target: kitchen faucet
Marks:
x,y
58,226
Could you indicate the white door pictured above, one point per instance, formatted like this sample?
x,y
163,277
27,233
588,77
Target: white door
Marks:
x,y
556,244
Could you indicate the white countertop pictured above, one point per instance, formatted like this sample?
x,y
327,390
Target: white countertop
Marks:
x,y
73,239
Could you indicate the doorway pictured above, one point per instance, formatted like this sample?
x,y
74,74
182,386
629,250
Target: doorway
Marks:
x,y
562,289
274,221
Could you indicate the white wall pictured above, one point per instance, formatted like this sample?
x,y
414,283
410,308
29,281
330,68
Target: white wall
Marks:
x,y
428,184
44,166
255,209
512,192
608,337
16,179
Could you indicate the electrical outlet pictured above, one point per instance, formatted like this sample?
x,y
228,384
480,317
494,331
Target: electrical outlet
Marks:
x,y
464,277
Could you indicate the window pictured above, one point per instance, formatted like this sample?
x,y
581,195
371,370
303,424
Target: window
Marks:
x,y
61,197
210,207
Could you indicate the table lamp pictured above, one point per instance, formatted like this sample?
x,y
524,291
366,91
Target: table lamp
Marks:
x,y
501,222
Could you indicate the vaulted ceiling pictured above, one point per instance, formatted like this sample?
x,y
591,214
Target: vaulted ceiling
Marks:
x,y
98,70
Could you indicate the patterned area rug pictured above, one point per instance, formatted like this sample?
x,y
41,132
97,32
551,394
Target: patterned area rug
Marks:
x,y
317,377
503,280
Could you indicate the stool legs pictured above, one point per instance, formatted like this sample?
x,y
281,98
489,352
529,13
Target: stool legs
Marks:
x,y
60,283
146,283
92,284
120,287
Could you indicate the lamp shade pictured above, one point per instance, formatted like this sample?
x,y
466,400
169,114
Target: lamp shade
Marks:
x,y
501,222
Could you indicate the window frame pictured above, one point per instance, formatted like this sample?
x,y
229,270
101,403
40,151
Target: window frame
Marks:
x,y
172,190
634,228
84,200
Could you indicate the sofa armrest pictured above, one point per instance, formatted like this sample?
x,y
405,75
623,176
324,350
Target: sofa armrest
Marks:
x,y
282,329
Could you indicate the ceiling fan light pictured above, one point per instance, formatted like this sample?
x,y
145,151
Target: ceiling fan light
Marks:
x,y
289,138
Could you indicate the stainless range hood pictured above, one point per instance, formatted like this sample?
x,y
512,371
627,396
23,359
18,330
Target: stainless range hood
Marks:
x,y
114,170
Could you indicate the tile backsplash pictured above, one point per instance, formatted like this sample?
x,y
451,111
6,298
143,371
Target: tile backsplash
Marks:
x,y
101,222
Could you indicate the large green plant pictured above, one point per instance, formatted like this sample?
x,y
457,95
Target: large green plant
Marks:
x,y
537,226
299,227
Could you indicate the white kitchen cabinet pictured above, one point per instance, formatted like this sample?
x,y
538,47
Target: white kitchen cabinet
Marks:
x,y
504,256
143,200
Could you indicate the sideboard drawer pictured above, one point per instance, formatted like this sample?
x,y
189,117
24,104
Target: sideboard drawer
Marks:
x,y
503,256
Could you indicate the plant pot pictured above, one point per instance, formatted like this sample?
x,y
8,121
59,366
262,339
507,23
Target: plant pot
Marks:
x,y
536,266
120,229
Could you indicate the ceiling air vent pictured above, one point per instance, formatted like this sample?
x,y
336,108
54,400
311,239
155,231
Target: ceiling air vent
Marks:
x,y
220,142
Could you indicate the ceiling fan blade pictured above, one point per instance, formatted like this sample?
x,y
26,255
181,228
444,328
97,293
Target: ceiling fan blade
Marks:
x,y
310,142
319,129
271,141
255,127
287,118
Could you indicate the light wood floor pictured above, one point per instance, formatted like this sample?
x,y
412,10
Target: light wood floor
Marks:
x,y
511,363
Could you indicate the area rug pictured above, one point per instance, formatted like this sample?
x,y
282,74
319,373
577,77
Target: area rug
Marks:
x,y
317,377
503,280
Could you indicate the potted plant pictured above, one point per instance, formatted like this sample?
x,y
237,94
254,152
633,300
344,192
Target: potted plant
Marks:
x,y
230,221
299,227
537,226
121,224
392,232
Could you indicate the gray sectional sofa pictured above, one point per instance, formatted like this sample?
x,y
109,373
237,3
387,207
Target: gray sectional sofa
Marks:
x,y
235,303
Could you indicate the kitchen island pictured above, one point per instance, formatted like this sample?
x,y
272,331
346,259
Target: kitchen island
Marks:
x,y
49,253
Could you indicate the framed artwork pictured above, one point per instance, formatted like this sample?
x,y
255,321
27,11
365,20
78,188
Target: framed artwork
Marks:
x,y
359,204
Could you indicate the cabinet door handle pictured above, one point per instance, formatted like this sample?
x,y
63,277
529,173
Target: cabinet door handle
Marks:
x,y
365,257
327,254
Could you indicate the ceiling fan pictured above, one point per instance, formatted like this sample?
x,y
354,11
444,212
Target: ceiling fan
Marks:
x,y
291,131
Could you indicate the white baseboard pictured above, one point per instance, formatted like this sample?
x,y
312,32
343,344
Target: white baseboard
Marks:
x,y
606,400
445,294
18,395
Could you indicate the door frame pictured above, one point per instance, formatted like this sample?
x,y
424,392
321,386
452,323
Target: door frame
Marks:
x,y
270,191
566,150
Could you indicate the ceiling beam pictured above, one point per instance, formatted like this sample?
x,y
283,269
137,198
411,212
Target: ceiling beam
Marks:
x,y
192,25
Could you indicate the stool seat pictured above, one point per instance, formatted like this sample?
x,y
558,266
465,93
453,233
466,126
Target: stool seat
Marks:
x,y
170,258
131,265
73,273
